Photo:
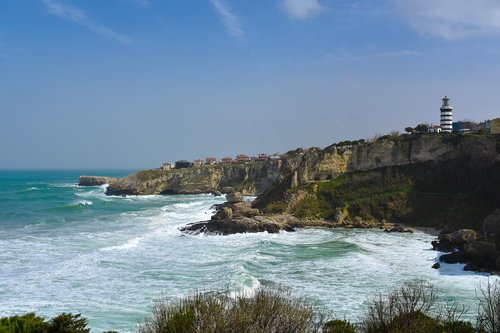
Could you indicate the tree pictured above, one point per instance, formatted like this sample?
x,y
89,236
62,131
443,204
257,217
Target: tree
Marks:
x,y
422,128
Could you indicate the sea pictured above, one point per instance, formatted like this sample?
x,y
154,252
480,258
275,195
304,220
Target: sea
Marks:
x,y
65,248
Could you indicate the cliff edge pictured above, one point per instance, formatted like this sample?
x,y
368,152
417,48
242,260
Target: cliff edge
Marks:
x,y
424,180
248,178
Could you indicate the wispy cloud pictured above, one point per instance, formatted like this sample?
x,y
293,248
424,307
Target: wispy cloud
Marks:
x,y
80,17
452,19
302,9
230,21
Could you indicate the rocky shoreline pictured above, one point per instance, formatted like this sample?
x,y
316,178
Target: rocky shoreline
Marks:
x,y
238,216
480,252
442,182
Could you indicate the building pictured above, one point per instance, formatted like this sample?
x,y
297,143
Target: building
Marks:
x,y
183,164
485,126
210,160
446,116
275,156
262,157
466,126
198,163
166,166
435,129
240,158
227,159
495,126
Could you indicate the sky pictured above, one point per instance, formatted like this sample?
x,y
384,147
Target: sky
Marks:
x,y
130,84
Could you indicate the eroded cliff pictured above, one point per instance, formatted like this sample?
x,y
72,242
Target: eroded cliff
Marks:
x,y
435,180
248,178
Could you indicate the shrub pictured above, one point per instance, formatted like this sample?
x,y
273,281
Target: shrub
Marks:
x,y
488,319
266,311
411,298
68,323
30,323
338,326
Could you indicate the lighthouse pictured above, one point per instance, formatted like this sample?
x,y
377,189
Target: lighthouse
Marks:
x,y
446,116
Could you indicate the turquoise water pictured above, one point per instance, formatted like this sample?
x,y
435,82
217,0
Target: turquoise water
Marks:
x,y
69,249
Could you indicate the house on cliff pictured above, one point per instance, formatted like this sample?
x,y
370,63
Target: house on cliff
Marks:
x,y
183,164
210,160
240,158
167,166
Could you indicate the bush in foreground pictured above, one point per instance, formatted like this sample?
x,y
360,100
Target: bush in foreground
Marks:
x,y
30,323
266,311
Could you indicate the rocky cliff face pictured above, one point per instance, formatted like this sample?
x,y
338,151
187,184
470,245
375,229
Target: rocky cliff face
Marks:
x,y
435,180
249,179
95,180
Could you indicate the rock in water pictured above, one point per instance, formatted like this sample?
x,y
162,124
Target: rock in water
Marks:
x,y
233,197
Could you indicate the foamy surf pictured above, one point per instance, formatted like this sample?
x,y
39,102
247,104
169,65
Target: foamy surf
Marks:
x,y
110,257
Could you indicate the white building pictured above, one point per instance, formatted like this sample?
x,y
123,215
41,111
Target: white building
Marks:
x,y
446,116
435,129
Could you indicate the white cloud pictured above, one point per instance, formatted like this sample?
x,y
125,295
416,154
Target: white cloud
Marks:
x,y
78,16
230,21
302,9
452,19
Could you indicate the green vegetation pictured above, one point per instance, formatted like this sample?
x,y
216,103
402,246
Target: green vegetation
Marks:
x,y
451,194
30,323
412,308
266,311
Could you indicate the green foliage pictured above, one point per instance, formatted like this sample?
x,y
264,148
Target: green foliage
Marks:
x,y
68,323
338,326
459,326
30,323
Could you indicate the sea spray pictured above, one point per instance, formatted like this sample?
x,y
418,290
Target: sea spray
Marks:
x,y
112,258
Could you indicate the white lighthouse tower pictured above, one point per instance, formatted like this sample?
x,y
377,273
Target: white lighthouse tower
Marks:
x,y
446,116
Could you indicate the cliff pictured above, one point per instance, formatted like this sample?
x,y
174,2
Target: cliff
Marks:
x,y
248,178
427,180
95,180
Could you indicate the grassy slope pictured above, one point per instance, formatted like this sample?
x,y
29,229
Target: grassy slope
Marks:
x,y
449,194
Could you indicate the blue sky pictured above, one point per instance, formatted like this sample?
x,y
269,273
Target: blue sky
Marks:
x,y
133,83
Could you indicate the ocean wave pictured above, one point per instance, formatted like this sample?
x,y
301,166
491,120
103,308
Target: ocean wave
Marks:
x,y
130,244
31,189
84,203
63,185
248,286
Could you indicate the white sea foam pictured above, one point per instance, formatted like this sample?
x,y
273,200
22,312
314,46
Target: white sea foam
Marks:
x,y
110,266
133,243
31,189
82,203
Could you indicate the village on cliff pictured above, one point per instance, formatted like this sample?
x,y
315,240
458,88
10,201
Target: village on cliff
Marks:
x,y
447,125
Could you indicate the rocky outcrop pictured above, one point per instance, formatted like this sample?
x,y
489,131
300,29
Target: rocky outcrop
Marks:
x,y
469,248
424,180
248,178
237,216
95,180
